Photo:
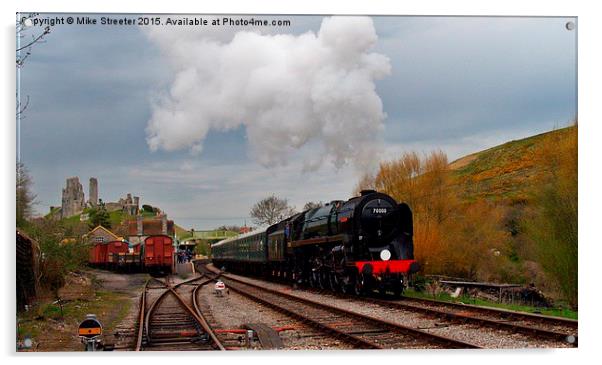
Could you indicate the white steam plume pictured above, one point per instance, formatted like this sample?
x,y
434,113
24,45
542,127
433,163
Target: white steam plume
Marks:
x,y
288,91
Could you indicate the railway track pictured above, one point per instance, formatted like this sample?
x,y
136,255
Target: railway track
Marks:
x,y
502,313
361,331
170,318
538,326
533,327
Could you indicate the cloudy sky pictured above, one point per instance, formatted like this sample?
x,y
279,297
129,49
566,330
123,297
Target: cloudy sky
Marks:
x,y
203,121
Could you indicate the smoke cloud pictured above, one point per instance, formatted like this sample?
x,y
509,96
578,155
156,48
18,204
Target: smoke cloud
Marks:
x,y
314,91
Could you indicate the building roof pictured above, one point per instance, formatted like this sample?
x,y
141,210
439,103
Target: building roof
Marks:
x,y
101,228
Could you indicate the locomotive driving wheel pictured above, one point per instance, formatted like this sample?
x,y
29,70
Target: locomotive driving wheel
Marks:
x,y
359,285
323,282
314,279
333,282
398,288
347,284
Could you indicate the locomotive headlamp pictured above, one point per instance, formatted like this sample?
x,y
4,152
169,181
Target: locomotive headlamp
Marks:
x,y
385,255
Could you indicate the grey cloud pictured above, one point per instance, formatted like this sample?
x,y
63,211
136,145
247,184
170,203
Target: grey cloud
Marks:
x,y
467,75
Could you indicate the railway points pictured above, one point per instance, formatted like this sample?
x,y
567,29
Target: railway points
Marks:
x,y
167,320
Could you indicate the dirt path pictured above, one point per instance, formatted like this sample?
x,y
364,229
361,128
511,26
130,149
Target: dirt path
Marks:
x,y
113,297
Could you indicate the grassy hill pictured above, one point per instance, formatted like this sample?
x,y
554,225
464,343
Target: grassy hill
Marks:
x,y
116,217
504,172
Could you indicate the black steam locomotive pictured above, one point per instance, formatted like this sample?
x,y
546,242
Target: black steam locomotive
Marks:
x,y
355,246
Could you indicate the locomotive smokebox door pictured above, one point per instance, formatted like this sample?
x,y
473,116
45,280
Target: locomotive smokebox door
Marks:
x,y
90,327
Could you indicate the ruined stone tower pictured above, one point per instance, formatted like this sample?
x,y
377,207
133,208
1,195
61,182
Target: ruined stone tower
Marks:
x,y
93,199
73,201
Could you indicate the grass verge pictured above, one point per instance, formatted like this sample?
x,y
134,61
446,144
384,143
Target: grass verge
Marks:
x,y
446,297
53,326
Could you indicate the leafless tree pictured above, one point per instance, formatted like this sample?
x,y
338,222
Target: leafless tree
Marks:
x,y
26,41
367,182
29,40
233,228
271,210
312,205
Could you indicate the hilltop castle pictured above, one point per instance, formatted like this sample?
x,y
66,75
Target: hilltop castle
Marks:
x,y
73,200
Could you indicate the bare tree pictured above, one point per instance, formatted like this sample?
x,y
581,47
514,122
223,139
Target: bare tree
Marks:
x,y
312,205
367,182
233,228
25,198
271,210
25,43
23,24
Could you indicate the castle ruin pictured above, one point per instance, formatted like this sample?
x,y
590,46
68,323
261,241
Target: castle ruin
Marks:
x,y
129,205
93,200
73,201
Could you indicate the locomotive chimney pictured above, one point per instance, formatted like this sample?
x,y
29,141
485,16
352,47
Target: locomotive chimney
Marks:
x,y
367,192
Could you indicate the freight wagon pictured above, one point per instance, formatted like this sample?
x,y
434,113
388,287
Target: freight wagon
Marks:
x,y
155,254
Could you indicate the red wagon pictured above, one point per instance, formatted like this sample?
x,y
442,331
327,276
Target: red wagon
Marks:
x,y
116,251
158,253
98,255
93,257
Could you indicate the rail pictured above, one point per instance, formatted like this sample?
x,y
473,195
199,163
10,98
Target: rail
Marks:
x,y
146,315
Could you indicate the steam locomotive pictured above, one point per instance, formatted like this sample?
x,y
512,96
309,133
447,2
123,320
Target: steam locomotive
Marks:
x,y
354,246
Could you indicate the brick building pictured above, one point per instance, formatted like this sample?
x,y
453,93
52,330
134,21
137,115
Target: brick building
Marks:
x,y
141,228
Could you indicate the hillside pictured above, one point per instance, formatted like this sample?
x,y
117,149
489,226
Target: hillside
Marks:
x,y
504,172
116,217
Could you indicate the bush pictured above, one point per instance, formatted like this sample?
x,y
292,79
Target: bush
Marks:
x,y
147,208
551,226
57,259
419,283
202,248
99,216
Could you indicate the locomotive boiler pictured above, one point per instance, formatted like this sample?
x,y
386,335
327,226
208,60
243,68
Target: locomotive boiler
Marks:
x,y
353,246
